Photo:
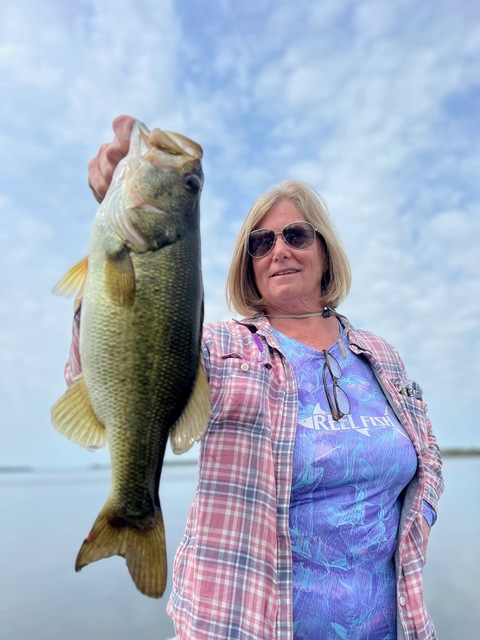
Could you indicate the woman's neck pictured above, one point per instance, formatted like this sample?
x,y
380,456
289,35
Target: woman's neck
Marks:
x,y
315,331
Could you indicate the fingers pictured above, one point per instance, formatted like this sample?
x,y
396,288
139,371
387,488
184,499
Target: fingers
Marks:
x,y
96,181
101,168
122,128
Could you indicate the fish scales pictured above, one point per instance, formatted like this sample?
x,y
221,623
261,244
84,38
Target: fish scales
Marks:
x,y
141,318
150,335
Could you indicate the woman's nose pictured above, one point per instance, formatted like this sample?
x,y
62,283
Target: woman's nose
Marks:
x,y
280,248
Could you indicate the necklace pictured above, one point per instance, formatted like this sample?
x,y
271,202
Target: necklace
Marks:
x,y
326,313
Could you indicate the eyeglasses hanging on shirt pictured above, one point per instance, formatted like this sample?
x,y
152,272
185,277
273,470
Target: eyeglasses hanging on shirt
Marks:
x,y
336,397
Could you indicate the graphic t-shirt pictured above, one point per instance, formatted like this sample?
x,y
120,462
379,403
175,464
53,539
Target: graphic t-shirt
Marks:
x,y
348,476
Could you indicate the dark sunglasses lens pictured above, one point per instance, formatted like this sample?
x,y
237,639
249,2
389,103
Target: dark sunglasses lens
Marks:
x,y
260,242
299,235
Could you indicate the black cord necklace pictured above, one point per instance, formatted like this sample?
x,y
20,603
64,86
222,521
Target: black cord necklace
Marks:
x,y
326,313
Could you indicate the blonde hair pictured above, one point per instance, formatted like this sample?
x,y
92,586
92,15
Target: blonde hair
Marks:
x,y
242,294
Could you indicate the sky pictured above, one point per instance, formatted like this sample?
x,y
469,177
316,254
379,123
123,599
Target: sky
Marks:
x,y
375,104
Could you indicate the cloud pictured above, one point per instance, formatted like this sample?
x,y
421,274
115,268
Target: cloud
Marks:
x,y
374,104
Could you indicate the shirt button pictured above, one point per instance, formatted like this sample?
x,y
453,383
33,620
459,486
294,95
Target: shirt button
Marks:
x,y
244,367
402,601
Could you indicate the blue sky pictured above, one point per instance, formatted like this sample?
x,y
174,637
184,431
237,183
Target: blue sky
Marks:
x,y
376,104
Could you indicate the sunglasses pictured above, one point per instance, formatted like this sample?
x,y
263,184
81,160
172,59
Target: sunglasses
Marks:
x,y
337,398
298,235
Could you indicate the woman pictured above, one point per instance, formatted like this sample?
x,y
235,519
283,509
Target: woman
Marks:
x,y
319,475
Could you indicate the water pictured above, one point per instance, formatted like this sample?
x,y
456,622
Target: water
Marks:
x,y
45,516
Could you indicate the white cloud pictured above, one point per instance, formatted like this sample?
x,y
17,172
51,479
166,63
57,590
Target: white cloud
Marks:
x,y
372,102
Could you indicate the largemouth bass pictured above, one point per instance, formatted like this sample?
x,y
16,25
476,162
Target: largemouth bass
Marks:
x,y
141,319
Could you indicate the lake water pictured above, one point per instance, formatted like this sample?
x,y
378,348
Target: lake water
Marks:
x,y
45,516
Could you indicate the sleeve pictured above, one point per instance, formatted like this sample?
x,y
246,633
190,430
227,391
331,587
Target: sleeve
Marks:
x,y
73,368
413,397
429,513
434,484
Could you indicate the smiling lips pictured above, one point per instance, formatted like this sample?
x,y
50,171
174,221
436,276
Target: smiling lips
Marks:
x,y
284,273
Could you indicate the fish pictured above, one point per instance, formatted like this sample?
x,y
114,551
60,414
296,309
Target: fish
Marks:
x,y
140,294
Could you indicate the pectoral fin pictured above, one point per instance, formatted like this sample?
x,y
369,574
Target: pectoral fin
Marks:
x,y
73,282
120,277
193,422
73,416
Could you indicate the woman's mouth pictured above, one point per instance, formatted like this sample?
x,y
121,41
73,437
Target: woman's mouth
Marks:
x,y
285,272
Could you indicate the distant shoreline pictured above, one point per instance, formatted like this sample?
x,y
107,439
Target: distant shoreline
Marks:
x,y
450,452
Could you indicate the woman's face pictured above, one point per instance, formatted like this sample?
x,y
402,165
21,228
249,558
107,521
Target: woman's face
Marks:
x,y
289,279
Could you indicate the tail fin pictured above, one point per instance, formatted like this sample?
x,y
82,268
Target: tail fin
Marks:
x,y
144,551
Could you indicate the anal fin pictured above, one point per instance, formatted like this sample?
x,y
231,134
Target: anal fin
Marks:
x,y
193,422
73,416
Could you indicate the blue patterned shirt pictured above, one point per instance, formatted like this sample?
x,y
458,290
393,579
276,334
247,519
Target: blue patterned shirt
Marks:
x,y
345,504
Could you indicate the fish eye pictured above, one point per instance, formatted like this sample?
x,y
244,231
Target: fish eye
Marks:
x,y
192,182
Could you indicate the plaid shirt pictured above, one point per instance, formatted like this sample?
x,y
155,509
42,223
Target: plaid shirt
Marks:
x,y
232,571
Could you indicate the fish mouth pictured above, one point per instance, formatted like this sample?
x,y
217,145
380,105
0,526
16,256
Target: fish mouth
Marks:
x,y
175,144
284,272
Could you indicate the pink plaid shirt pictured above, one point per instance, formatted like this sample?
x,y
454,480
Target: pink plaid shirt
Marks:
x,y
232,571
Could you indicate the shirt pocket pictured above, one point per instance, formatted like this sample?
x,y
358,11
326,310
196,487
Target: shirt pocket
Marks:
x,y
416,409
238,393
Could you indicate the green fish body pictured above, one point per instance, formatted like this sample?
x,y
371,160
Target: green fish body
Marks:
x,y
141,321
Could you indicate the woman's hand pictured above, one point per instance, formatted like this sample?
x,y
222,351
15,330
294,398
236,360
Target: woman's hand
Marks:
x,y
102,166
